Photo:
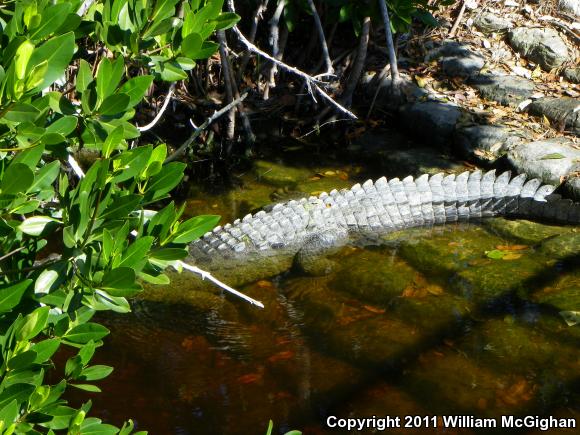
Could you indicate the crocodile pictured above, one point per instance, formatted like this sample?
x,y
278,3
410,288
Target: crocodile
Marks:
x,y
271,241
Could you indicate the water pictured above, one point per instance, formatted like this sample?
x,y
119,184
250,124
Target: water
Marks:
x,y
425,325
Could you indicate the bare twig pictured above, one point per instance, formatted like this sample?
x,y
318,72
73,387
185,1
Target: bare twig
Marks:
x,y
231,123
257,16
161,111
75,166
320,29
311,82
457,20
15,251
391,47
83,8
202,127
217,282
274,37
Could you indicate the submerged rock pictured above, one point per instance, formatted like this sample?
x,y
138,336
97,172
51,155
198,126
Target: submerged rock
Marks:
x,y
491,23
548,160
433,121
523,231
543,46
484,144
563,294
279,175
506,90
562,246
561,111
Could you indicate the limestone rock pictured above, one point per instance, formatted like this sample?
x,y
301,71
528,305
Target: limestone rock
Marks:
x,y
490,23
548,160
561,111
543,46
433,120
572,74
457,60
573,187
506,90
485,143
570,7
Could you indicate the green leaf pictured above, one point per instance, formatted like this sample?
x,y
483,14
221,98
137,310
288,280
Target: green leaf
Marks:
x,y
553,156
65,125
191,44
57,52
10,296
226,20
104,75
87,387
118,278
121,207
95,373
21,112
495,254
52,138
168,254
208,48
114,104
87,352
160,279
136,254
37,225
22,57
32,324
45,349
136,88
29,157
52,18
9,413
17,178
163,182
113,141
171,71
192,229
45,281
84,76
18,392
22,360
45,176
185,63
82,334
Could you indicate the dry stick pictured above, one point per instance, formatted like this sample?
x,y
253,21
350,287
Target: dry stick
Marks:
x,y
202,127
311,82
231,124
457,20
395,77
252,36
161,111
84,7
226,287
274,34
325,53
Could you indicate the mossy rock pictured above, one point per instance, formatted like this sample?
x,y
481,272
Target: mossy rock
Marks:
x,y
443,252
494,280
372,276
562,246
563,293
523,231
279,175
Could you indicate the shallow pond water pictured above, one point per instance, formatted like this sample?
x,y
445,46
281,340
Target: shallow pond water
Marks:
x,y
457,320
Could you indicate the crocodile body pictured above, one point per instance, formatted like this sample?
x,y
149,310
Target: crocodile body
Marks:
x,y
266,244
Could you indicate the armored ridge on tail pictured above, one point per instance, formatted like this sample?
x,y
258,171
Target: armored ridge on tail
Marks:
x,y
264,244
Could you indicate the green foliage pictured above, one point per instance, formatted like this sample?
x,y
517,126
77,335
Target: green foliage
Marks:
x,y
70,247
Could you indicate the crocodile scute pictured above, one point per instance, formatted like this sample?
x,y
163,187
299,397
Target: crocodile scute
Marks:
x,y
270,240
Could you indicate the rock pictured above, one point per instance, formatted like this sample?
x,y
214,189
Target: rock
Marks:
x,y
569,7
572,186
506,90
484,144
523,231
490,23
563,293
432,120
457,60
542,46
548,159
572,74
562,246
562,111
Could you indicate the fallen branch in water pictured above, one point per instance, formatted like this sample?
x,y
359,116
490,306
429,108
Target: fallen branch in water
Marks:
x,y
202,127
161,111
217,282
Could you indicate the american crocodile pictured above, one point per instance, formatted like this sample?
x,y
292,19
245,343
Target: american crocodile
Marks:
x,y
266,243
